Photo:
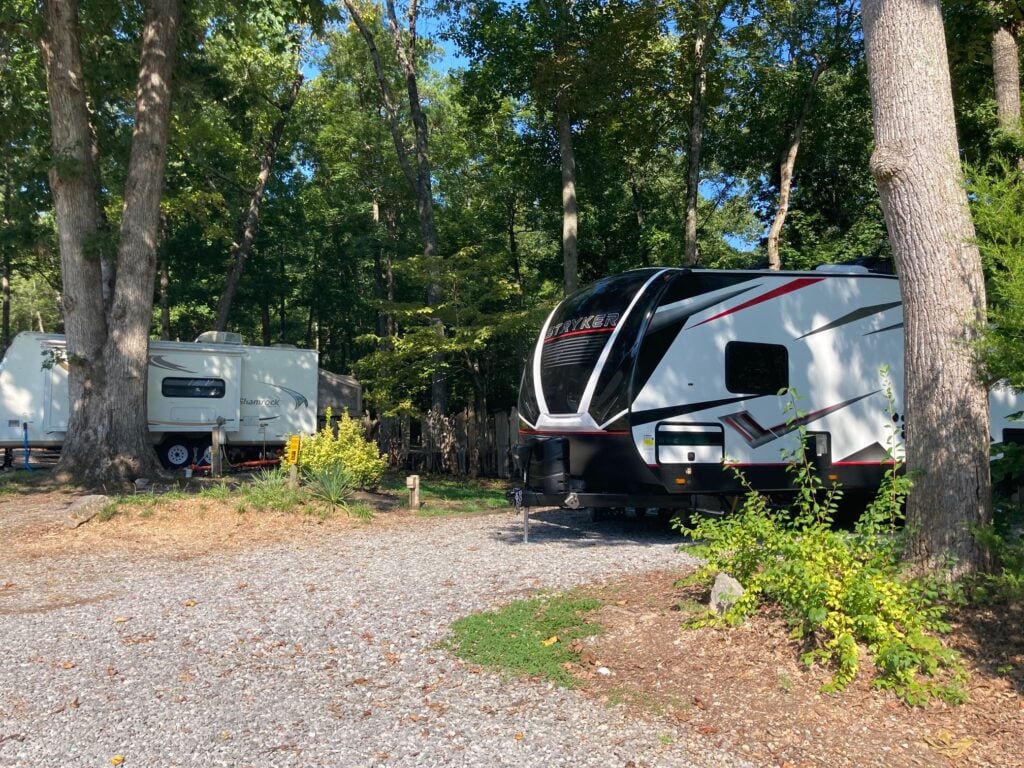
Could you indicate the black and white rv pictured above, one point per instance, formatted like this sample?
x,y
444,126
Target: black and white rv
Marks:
x,y
644,387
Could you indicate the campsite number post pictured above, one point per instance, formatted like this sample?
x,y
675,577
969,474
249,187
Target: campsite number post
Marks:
x,y
292,457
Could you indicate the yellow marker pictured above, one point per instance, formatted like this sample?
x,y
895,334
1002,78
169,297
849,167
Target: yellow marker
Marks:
x,y
293,450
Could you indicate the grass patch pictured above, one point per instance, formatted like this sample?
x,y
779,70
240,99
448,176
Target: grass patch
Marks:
x,y
444,496
517,638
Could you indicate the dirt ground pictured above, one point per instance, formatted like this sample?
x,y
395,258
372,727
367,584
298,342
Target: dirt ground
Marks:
x,y
743,689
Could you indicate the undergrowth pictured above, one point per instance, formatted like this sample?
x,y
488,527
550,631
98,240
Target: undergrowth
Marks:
x,y
843,593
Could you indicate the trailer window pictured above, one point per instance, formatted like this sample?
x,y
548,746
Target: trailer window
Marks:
x,y
174,387
756,369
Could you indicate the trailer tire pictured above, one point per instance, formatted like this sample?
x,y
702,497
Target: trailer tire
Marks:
x,y
175,453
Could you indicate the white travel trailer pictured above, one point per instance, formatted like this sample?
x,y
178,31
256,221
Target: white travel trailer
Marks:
x,y
258,395
644,387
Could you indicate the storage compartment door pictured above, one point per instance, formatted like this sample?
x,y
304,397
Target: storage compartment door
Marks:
x,y
690,444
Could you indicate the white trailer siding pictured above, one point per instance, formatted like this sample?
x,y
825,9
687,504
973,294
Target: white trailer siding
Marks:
x,y
257,395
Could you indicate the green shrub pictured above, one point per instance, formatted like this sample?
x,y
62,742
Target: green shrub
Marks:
x,y
842,592
343,444
269,489
332,484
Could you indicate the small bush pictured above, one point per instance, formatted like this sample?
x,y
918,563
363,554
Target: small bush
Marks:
x,y
343,444
332,484
841,592
269,489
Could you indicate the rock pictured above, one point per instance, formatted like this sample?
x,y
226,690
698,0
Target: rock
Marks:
x,y
725,593
84,509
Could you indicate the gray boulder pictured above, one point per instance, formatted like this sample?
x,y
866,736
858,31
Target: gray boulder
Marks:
x,y
725,593
84,509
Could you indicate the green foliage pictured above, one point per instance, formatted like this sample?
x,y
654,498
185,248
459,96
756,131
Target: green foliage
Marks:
x,y
842,592
270,489
343,445
997,205
332,484
527,637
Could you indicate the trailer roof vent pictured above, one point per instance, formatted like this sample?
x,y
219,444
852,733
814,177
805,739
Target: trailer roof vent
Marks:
x,y
219,337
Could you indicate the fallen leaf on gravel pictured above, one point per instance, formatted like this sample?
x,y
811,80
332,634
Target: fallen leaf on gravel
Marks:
x,y
74,703
189,603
707,730
519,736
550,641
117,759
68,665
576,646
8,584
122,619
944,743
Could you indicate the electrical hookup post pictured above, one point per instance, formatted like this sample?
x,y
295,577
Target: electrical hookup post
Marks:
x,y
516,497
292,457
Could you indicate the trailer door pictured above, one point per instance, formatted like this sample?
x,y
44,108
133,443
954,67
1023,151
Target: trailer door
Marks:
x,y
56,400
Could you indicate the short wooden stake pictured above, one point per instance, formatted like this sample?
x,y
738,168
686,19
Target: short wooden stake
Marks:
x,y
412,482
293,477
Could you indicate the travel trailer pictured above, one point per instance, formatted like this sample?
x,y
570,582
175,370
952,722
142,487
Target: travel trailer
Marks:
x,y
258,395
643,389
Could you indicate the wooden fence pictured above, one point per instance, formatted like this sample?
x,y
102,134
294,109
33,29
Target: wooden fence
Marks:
x,y
464,443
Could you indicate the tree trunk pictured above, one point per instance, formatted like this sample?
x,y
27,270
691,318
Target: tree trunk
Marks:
x,y
165,302
786,166
916,166
242,247
1006,73
108,432
73,186
570,206
697,97
420,177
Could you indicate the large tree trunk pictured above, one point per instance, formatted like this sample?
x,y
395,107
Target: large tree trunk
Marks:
x,y
242,247
1006,74
570,206
73,186
917,169
786,166
697,97
108,432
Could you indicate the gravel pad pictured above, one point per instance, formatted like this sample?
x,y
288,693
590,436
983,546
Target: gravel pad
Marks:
x,y
315,654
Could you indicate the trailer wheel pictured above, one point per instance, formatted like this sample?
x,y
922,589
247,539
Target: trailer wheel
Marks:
x,y
175,453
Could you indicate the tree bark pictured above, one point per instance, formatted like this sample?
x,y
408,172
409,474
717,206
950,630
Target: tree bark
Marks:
x,y
73,186
108,431
916,166
242,247
570,206
786,166
1006,74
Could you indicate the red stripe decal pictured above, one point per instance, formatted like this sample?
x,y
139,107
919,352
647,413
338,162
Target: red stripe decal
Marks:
x,y
564,433
793,285
578,333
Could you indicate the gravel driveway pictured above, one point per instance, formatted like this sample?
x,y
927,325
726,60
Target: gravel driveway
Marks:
x,y
319,653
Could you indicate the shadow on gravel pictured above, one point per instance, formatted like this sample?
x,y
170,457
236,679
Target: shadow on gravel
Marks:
x,y
577,528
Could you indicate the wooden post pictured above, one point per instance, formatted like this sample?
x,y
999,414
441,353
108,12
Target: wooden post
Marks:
x,y
215,466
412,482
